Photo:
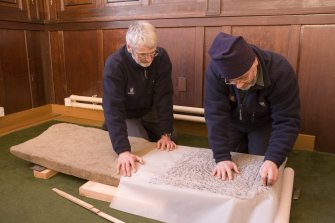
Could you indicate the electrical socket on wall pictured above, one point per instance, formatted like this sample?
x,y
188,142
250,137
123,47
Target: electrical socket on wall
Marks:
x,y
2,111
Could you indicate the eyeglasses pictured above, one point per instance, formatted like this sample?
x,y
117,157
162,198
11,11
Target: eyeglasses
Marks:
x,y
245,77
145,55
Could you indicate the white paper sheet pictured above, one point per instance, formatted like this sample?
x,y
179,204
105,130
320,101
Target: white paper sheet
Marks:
x,y
178,187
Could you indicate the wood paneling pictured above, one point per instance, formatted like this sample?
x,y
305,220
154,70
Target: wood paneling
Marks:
x,y
112,40
14,70
76,9
14,10
14,2
78,2
36,10
317,84
280,39
36,69
275,7
114,1
273,38
58,67
81,62
183,60
67,54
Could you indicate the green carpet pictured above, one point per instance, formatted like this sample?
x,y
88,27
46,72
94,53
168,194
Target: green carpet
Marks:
x,y
24,198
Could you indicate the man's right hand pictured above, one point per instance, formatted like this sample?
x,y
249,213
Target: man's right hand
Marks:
x,y
224,170
126,163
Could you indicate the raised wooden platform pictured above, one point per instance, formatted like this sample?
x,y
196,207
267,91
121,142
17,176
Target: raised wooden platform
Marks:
x,y
31,117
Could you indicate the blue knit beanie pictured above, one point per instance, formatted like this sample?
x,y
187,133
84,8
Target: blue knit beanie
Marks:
x,y
232,55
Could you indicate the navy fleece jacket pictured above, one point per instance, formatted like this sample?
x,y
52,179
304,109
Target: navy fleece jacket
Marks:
x,y
276,102
130,91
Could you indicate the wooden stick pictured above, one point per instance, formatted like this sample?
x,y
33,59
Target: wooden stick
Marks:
x,y
87,206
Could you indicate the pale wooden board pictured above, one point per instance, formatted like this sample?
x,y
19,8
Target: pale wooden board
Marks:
x,y
98,191
44,174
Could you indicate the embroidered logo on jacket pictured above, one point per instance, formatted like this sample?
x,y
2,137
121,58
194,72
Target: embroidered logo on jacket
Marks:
x,y
131,91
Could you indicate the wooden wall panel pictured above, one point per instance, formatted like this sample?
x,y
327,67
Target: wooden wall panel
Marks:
x,y
80,34
14,10
14,69
78,2
76,9
113,39
317,84
275,7
273,38
36,69
81,62
182,56
58,67
45,43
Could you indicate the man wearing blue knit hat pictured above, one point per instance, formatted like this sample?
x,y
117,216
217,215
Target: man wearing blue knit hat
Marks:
x,y
252,106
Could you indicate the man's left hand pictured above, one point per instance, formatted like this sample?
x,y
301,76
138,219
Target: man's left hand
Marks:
x,y
269,173
165,143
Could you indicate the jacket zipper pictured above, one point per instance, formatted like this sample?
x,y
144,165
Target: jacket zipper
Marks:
x,y
240,103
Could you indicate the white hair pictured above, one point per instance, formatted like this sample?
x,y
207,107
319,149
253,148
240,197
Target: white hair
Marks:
x,y
142,33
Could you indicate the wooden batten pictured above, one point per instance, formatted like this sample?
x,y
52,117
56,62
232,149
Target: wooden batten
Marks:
x,y
44,174
97,191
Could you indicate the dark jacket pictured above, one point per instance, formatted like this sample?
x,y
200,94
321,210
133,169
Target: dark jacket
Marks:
x,y
276,102
130,91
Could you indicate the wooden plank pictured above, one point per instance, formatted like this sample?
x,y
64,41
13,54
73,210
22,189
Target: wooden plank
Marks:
x,y
97,191
44,174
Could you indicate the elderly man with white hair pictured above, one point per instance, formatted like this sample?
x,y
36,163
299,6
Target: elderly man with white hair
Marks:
x,y
138,95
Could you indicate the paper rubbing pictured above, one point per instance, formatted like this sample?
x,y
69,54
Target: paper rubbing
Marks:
x,y
193,171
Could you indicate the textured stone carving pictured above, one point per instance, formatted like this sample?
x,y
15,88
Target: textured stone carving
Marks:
x,y
194,171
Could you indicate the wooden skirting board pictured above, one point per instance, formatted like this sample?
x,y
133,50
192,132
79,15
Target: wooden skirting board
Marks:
x,y
31,117
25,119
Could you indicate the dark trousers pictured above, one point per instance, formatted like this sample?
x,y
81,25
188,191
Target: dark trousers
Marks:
x,y
146,127
254,142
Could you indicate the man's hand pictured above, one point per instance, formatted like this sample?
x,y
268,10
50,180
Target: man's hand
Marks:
x,y
165,143
269,173
127,163
225,169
